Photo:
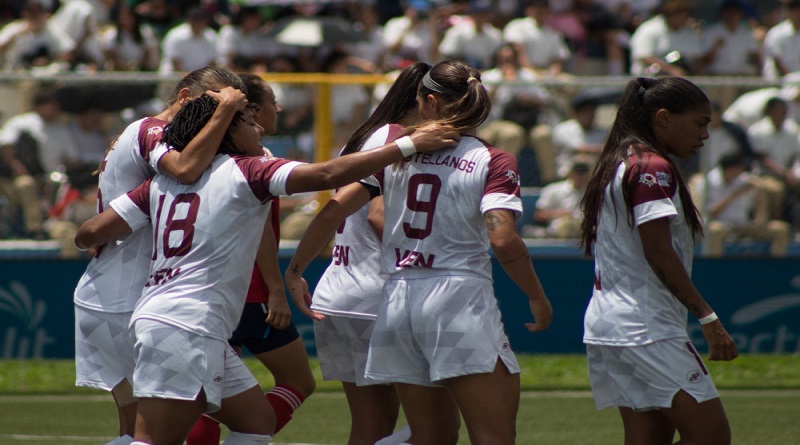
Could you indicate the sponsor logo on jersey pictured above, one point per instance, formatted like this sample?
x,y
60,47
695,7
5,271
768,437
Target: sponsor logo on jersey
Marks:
x,y
154,131
664,179
513,176
647,179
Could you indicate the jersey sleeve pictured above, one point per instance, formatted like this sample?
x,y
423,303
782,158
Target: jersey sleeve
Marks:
x,y
134,206
150,133
651,186
502,184
267,177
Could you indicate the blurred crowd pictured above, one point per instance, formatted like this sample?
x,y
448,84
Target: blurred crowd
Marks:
x,y
747,177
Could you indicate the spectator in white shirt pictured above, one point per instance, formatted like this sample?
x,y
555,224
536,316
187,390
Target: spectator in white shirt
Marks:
x,y
668,43
190,45
776,142
578,136
32,145
782,44
30,42
412,37
540,47
129,45
558,209
472,38
734,206
731,49
241,44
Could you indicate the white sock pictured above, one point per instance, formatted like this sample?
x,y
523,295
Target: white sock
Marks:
x,y
235,438
121,440
397,438
136,442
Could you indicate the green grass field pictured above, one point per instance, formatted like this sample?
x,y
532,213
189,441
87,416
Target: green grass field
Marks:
x,y
761,394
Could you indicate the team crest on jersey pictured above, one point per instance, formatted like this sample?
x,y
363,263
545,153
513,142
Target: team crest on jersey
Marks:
x,y
513,176
647,179
664,179
154,131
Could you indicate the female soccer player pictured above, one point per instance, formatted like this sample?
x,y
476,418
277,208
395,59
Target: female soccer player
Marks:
x,y
113,282
438,323
640,223
204,243
266,327
348,294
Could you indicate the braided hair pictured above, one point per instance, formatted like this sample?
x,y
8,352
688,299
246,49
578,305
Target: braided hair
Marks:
x,y
191,119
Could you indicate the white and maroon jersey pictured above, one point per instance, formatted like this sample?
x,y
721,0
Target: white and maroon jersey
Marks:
x,y
434,205
205,238
114,279
630,305
351,285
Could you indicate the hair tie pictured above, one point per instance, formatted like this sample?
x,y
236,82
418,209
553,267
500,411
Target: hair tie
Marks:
x,y
471,78
436,87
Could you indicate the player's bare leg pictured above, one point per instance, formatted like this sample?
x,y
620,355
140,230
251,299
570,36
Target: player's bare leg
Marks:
x,y
126,407
489,404
289,366
247,412
646,427
699,423
373,412
431,413
167,421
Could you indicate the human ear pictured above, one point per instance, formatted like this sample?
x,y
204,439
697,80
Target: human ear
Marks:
x,y
662,118
184,96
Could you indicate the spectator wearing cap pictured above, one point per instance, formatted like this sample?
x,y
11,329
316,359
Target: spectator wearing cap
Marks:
x,y
669,43
734,206
413,36
472,38
31,42
541,47
730,47
190,45
558,207
580,135
782,43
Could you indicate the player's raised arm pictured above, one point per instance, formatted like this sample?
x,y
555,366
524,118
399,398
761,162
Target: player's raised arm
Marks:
x,y
346,169
187,165
317,235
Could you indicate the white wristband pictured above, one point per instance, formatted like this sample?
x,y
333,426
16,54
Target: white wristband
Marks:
x,y
406,146
712,317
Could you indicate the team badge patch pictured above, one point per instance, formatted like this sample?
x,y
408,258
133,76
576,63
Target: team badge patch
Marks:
x,y
647,179
154,131
513,176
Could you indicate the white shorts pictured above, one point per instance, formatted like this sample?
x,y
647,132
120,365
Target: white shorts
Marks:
x,y
435,328
172,363
647,377
103,348
342,346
